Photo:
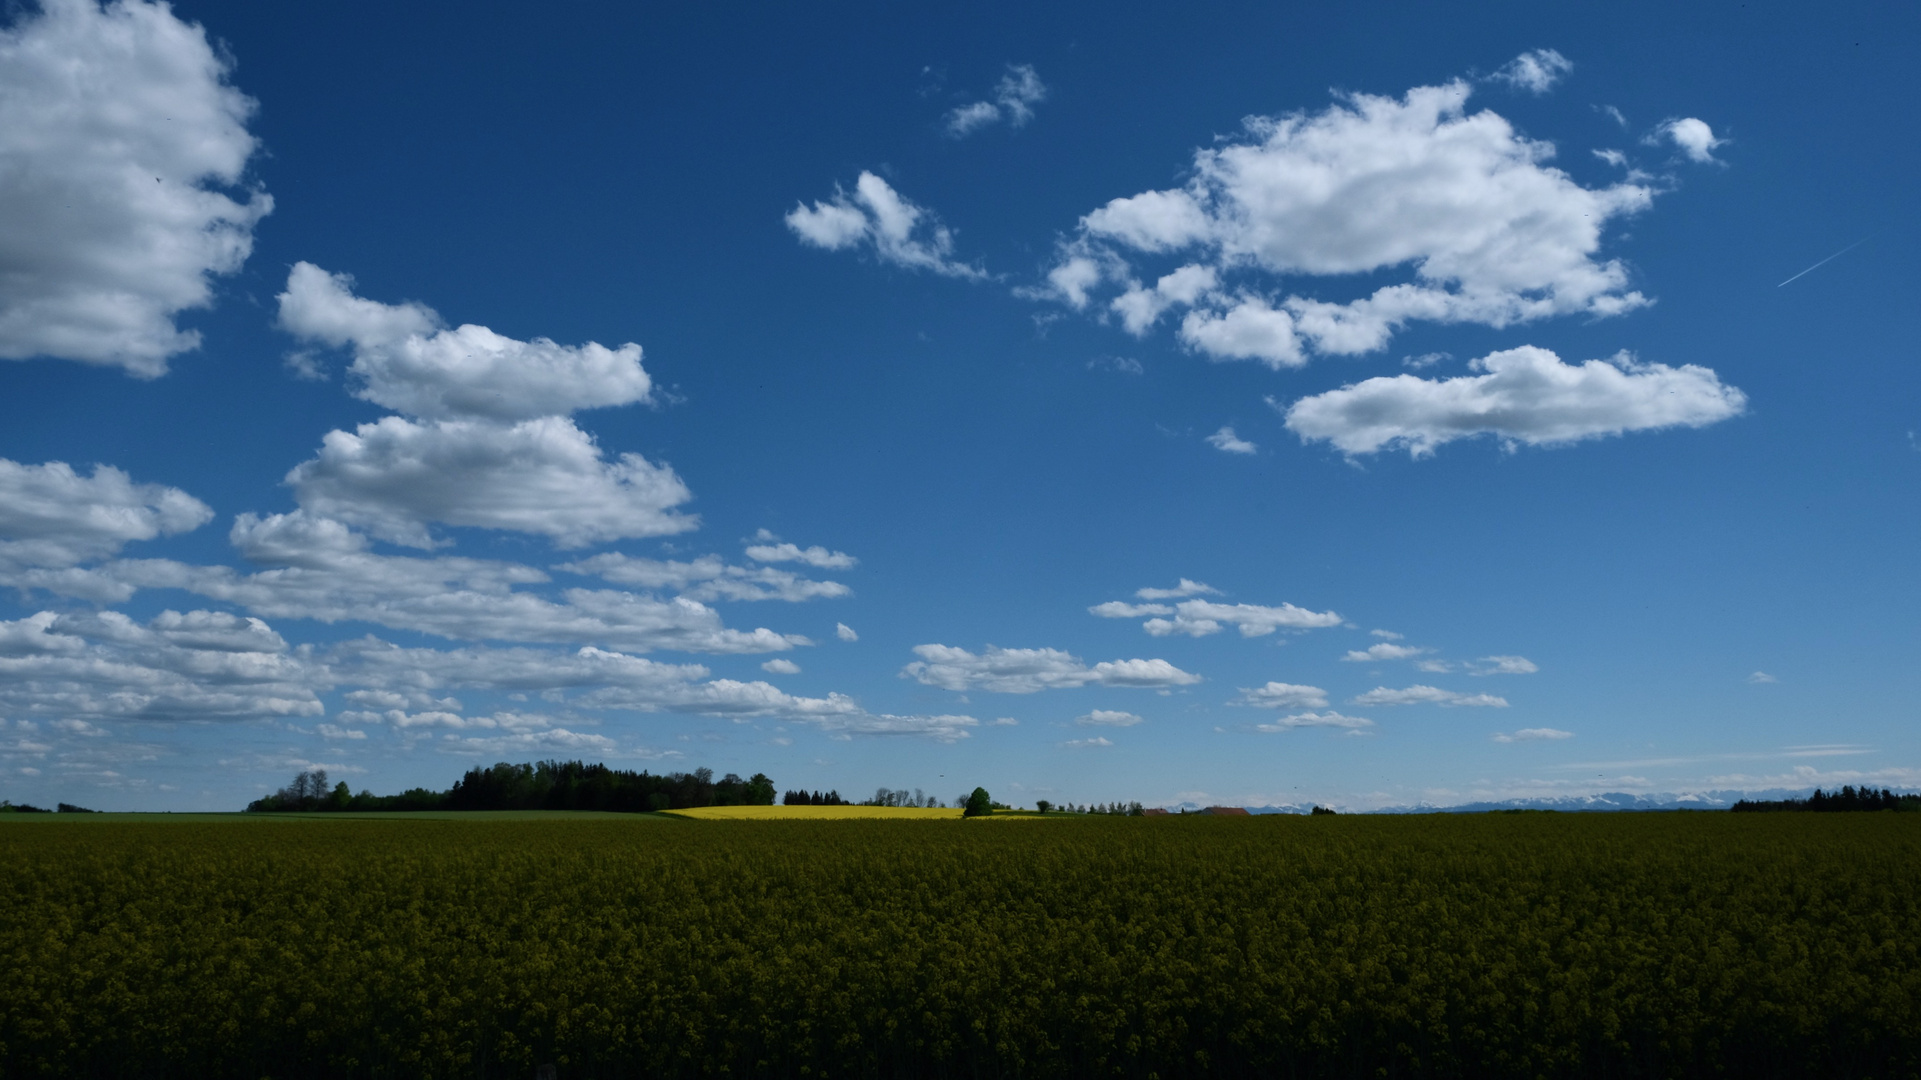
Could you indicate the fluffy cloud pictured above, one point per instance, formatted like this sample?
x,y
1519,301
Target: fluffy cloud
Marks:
x,y
780,666
117,132
1491,233
1309,719
1227,442
1692,137
845,632
1503,665
1184,588
706,578
399,678
1139,307
1428,695
1094,743
51,516
1525,395
200,665
1384,651
1109,718
768,548
543,476
1014,97
877,216
1535,71
406,362
320,569
1199,618
1532,734
491,445
1025,671
1280,695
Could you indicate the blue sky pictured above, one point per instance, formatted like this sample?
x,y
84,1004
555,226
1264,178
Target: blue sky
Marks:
x,y
1374,405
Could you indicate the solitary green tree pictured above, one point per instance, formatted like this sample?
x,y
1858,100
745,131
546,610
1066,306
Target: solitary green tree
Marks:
x,y
979,804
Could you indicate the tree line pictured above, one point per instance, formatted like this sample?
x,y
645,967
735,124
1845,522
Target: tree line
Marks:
x,y
544,785
7,807
812,798
1119,809
1849,798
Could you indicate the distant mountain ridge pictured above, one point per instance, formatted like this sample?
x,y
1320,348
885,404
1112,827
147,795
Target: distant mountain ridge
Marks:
x,y
1605,802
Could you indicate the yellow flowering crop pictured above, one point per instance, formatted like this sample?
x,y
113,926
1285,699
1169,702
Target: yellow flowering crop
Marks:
x,y
814,813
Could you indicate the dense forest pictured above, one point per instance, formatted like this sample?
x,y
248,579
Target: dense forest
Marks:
x,y
1848,799
546,785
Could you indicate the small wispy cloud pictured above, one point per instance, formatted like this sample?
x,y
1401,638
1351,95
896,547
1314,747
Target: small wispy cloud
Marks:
x,y
1227,442
1014,99
1535,71
1087,744
1762,677
1532,734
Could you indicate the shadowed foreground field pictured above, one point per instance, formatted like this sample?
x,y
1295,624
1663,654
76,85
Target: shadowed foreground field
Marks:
x,y
1484,946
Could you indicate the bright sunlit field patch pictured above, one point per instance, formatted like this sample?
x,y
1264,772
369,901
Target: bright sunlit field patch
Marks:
x,y
814,813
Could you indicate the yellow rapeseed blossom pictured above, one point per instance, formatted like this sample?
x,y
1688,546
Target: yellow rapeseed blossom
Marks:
x,y
815,813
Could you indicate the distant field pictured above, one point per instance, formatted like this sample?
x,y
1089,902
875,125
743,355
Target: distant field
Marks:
x,y
813,813
384,815
1485,946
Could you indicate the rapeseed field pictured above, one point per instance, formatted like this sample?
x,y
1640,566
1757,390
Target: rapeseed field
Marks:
x,y
816,813
1437,946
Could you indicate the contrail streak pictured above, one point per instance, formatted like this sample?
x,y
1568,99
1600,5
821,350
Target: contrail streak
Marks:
x,y
1827,260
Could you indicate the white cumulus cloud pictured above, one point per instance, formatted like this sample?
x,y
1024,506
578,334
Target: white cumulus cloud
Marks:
x,y
845,632
1692,137
197,665
121,144
318,568
1280,695
874,215
1200,618
1227,442
406,361
1486,229
768,548
707,578
780,666
396,476
1311,719
52,516
1184,588
1109,718
1524,395
1384,651
1026,671
1428,695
